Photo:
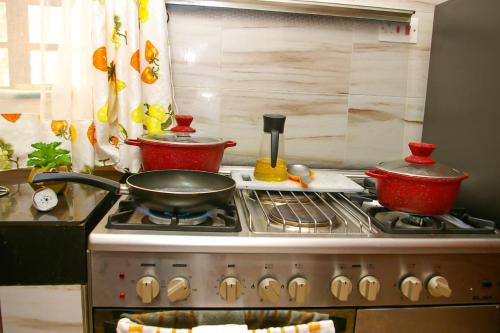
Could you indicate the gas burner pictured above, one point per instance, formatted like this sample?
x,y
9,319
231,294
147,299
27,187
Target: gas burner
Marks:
x,y
158,217
417,220
302,215
400,220
395,222
130,216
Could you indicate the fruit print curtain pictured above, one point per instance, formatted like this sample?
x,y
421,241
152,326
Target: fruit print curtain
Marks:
x,y
124,67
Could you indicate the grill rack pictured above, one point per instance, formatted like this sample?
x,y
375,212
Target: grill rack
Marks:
x,y
352,220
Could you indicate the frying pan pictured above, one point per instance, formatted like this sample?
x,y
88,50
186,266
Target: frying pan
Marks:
x,y
177,191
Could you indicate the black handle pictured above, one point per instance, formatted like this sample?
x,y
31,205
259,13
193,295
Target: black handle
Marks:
x,y
104,183
275,137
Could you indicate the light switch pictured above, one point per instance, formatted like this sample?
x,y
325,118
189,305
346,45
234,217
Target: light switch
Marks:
x,y
398,32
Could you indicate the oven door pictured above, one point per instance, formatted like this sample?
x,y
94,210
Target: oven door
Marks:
x,y
105,320
456,319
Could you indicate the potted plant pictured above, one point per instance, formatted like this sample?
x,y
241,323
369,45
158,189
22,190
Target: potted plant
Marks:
x,y
48,157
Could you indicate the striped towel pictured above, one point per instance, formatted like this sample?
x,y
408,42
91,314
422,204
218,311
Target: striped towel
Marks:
x,y
125,325
324,326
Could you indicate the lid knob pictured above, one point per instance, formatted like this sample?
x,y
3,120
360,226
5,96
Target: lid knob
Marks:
x,y
421,152
183,122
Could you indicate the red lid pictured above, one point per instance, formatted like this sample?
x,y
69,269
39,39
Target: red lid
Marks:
x,y
183,124
421,153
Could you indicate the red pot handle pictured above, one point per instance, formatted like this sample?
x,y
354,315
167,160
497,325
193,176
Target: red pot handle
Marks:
x,y
229,144
134,142
421,153
465,176
375,173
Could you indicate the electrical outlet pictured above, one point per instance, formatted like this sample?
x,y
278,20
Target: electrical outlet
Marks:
x,y
396,32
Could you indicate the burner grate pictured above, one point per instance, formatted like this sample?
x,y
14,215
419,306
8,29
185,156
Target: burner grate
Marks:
x,y
130,216
303,212
395,222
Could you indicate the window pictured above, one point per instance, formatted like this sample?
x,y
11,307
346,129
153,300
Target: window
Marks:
x,y
29,37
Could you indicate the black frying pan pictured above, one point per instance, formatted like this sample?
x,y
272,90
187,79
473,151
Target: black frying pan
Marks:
x,y
175,191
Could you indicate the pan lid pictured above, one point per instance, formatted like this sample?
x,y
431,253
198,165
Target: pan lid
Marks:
x,y
420,164
183,133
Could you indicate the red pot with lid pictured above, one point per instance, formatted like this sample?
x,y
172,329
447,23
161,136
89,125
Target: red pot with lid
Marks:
x,y
417,185
181,149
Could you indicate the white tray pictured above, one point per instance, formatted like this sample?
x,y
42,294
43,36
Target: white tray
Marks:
x,y
323,181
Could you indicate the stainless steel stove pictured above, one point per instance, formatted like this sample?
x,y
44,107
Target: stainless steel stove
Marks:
x,y
283,250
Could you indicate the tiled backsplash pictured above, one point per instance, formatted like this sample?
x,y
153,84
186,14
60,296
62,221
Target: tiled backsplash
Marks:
x,y
350,100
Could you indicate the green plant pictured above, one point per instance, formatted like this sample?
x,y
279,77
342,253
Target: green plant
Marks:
x,y
6,158
48,156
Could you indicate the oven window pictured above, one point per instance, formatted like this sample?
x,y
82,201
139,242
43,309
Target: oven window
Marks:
x,y
105,320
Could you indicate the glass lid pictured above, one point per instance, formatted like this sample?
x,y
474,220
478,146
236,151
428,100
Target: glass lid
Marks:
x,y
183,133
177,138
420,164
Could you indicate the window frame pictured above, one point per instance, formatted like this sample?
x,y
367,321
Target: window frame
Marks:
x,y
18,45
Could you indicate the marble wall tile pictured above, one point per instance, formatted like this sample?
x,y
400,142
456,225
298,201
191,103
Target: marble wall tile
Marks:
x,y
375,130
305,54
379,69
195,37
413,122
412,133
204,105
414,110
39,309
231,66
314,130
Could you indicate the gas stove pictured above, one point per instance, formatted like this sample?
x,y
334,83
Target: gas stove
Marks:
x,y
323,250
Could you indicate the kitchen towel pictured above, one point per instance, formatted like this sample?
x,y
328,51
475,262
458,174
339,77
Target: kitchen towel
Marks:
x,y
125,325
325,326
254,319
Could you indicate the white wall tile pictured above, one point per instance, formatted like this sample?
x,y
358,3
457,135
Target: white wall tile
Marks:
x,y
375,130
38,309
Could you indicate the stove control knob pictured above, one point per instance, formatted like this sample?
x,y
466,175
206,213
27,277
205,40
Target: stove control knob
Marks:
x,y
369,286
411,288
298,288
178,289
341,288
147,288
438,287
230,289
269,290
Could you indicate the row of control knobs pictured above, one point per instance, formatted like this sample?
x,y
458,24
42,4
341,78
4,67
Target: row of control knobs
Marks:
x,y
269,288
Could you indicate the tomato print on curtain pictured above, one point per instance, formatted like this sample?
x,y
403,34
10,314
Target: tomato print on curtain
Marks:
x,y
112,82
131,79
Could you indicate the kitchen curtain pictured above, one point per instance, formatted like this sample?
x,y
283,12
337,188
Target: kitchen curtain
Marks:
x,y
112,81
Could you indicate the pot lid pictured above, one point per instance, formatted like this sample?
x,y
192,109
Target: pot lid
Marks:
x,y
420,164
180,139
183,133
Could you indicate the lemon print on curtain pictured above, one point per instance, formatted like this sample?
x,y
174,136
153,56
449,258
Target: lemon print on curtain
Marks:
x,y
131,78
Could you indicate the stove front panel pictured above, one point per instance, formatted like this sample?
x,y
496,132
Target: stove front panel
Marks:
x,y
116,280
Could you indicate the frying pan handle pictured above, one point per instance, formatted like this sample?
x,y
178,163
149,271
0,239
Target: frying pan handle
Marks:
x,y
375,173
229,144
104,183
133,142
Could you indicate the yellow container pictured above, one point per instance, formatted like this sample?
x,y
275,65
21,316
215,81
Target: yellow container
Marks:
x,y
264,171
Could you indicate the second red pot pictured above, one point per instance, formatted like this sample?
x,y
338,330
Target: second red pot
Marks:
x,y
181,150
418,185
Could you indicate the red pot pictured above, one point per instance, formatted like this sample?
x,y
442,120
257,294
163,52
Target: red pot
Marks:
x,y
181,150
418,185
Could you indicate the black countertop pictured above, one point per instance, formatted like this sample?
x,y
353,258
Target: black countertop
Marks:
x,y
47,247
